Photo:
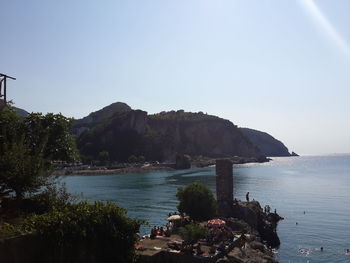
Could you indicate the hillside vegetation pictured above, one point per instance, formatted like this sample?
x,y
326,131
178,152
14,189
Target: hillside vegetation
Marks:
x,y
161,136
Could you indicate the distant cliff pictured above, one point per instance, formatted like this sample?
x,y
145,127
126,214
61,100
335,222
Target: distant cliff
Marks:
x,y
124,132
160,136
200,134
268,145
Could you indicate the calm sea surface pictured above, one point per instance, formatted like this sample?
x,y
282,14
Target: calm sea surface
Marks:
x,y
318,185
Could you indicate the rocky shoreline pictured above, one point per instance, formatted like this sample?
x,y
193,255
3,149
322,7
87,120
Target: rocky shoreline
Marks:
x,y
247,234
257,246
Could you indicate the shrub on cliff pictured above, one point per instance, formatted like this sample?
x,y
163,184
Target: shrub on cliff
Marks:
x,y
197,201
98,231
191,233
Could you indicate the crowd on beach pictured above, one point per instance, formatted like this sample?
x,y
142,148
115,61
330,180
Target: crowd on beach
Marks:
x,y
161,231
219,239
181,220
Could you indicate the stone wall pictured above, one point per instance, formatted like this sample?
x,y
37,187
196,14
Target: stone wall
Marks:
x,y
224,186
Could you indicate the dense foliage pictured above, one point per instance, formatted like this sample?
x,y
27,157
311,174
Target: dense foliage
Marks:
x,y
197,201
191,233
100,230
183,116
28,147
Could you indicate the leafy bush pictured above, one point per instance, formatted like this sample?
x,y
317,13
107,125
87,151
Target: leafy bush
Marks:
x,y
101,229
197,201
8,230
191,233
54,196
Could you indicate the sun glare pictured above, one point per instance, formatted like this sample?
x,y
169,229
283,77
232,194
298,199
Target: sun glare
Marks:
x,y
321,20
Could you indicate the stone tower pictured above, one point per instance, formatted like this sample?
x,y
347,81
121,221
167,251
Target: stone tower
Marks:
x,y
224,187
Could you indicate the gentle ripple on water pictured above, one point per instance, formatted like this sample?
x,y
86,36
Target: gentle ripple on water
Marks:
x,y
317,185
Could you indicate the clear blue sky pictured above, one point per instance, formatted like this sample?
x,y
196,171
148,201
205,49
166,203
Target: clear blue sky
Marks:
x,y
278,66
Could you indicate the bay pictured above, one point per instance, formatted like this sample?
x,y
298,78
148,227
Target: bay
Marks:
x,y
318,185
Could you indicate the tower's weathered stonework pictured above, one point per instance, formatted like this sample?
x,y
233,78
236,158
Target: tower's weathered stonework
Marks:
x,y
224,186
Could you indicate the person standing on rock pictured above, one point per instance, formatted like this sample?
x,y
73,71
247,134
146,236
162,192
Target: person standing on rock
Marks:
x,y
242,243
247,196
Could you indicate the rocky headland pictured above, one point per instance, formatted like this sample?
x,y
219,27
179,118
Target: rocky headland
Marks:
x,y
267,144
124,132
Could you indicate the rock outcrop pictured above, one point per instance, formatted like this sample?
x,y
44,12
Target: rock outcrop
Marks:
x,y
268,145
264,223
243,216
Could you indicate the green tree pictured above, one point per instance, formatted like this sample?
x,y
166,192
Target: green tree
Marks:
x,y
28,147
197,201
21,170
52,131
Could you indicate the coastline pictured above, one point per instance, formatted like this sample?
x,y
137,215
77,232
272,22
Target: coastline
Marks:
x,y
106,171
199,162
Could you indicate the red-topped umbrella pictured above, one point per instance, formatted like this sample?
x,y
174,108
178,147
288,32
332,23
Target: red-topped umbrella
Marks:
x,y
216,222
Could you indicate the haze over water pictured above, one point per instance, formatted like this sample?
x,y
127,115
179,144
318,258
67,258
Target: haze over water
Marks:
x,y
318,185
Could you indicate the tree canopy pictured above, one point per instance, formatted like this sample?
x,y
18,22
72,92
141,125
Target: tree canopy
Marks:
x,y
197,201
28,147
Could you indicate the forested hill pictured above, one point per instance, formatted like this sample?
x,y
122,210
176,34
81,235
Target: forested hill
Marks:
x,y
160,136
124,132
268,145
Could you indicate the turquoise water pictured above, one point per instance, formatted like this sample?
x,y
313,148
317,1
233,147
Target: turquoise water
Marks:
x,y
318,185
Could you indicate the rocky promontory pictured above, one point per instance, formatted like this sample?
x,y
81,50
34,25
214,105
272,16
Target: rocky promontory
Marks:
x,y
160,137
267,145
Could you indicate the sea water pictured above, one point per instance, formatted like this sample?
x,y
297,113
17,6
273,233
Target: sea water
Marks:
x,y
312,193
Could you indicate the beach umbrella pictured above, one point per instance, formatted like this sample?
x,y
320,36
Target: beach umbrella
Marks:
x,y
174,218
216,222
